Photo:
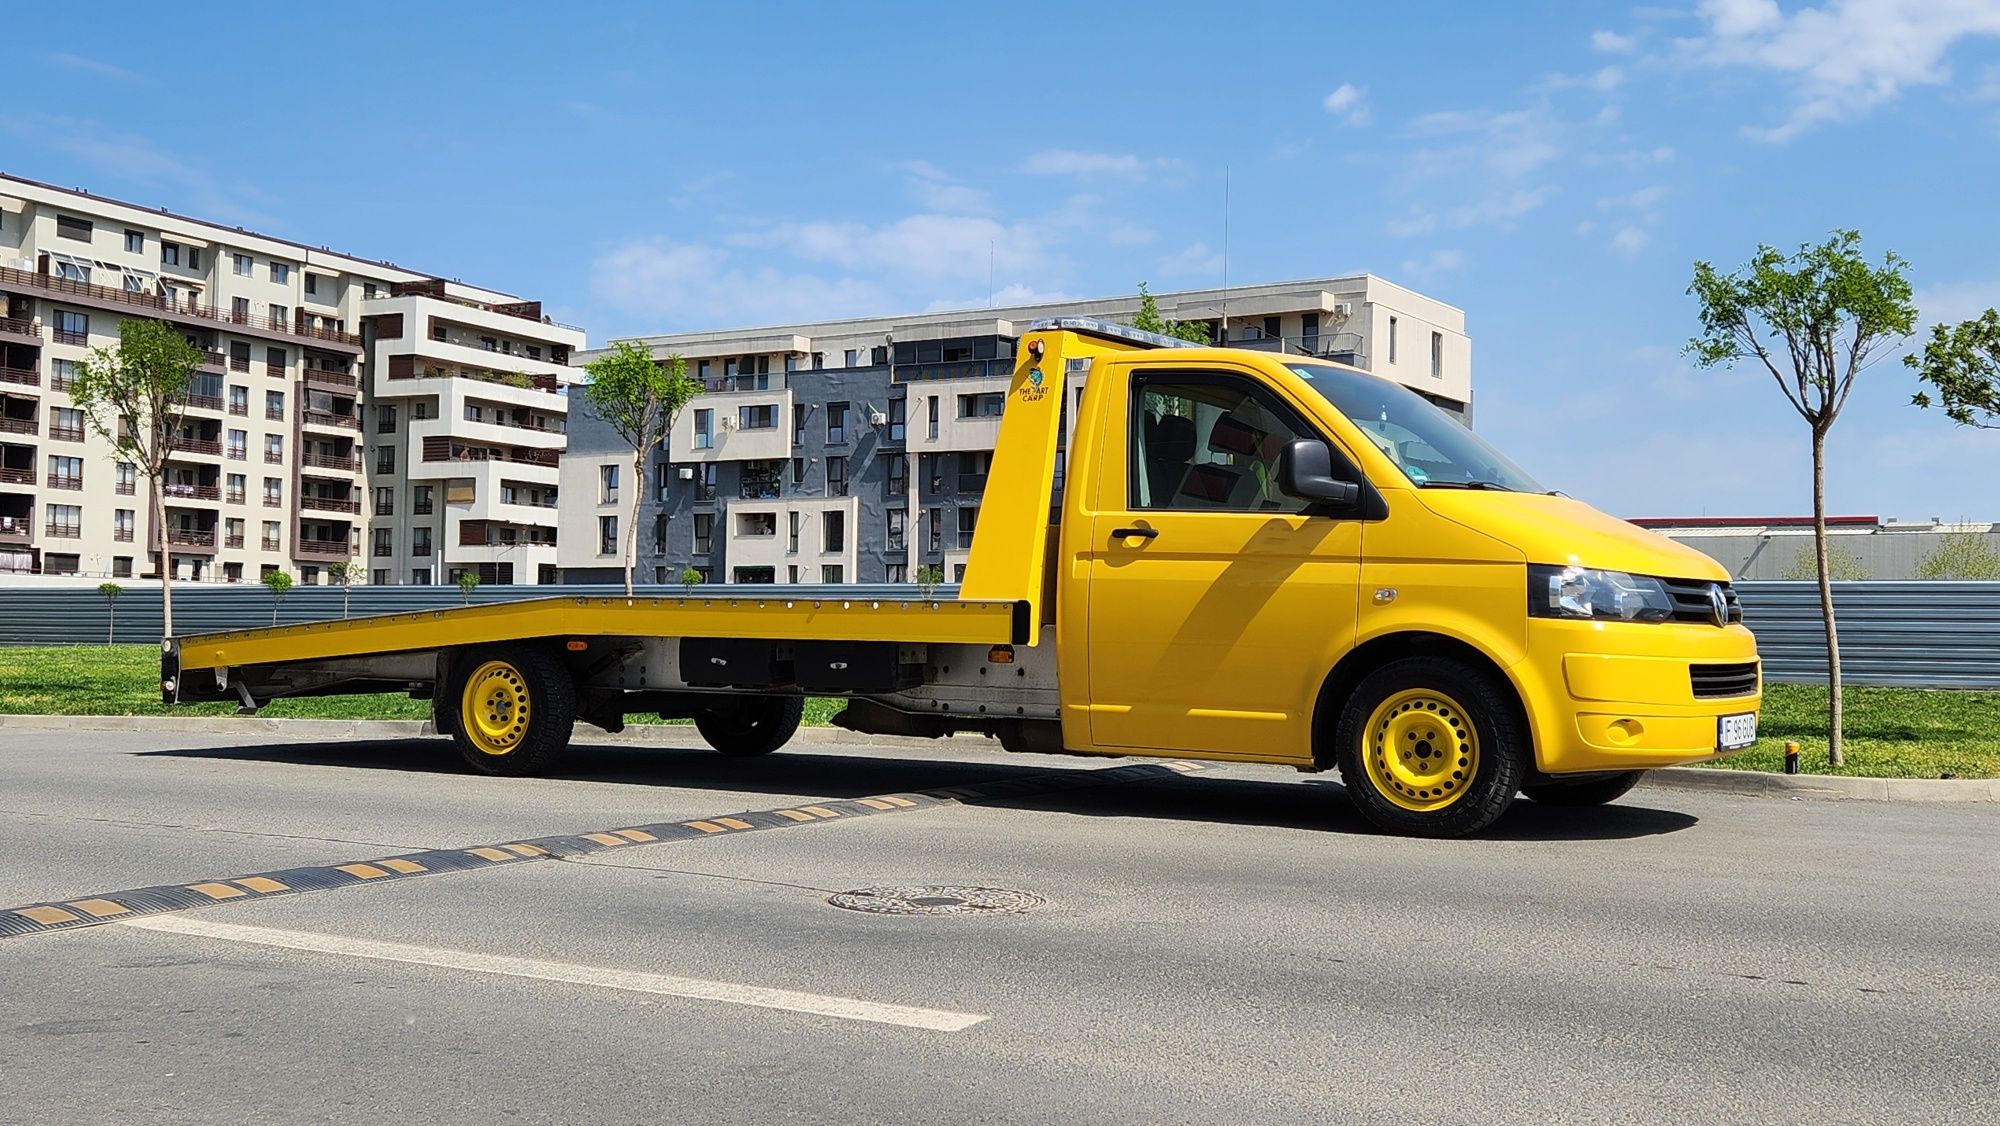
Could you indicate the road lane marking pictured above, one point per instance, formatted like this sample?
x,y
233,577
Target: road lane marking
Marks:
x,y
71,914
630,981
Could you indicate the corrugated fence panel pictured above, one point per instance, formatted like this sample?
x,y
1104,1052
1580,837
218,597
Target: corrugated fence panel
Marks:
x,y
1924,634
1912,634
78,615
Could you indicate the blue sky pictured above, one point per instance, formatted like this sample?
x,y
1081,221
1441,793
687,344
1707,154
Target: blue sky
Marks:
x,y
1551,168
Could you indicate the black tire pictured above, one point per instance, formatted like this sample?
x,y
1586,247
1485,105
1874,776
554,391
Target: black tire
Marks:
x,y
752,725
1495,755
531,746
1588,791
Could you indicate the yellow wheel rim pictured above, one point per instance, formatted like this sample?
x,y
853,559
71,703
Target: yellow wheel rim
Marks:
x,y
1420,750
494,710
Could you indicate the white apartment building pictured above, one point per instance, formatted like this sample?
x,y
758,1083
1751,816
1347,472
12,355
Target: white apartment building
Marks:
x,y
335,391
858,450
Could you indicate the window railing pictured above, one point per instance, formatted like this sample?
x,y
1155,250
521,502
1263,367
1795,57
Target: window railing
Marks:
x,y
329,504
190,537
199,446
127,488
121,535
19,425
235,496
64,531
26,377
274,457
329,461
178,492
161,304
234,542
66,433
330,419
17,476
64,480
271,543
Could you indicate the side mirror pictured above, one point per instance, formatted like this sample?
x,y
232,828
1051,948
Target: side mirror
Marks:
x,y
1305,470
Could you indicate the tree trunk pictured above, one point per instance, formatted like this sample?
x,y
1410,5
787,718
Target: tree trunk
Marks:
x,y
632,533
111,631
1835,755
166,561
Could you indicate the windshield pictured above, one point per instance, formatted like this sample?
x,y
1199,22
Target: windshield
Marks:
x,y
1433,449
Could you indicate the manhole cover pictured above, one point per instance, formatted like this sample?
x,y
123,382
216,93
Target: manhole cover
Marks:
x,y
935,901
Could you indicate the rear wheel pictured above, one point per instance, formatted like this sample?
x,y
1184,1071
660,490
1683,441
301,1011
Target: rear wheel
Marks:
x,y
1588,791
751,725
515,710
1430,747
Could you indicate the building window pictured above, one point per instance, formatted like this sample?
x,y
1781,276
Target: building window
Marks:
x,y
127,479
274,405
934,417
312,283
385,459
897,519
1392,340
72,328
1309,333
934,517
274,492
899,468
834,531
280,316
896,572
759,576
836,476
385,500
756,525
607,535
836,424
242,264
701,371
65,521
984,405
238,488
239,442
851,358
281,273
65,424
763,417
69,270
385,418
968,518
760,480
239,400
792,521
170,253
239,311
704,533
704,429
607,484
274,449
798,473
121,566
274,361
62,374
831,573
896,409
705,482
798,424
1437,355
935,462
420,500
660,533
134,284
65,472
135,242
69,226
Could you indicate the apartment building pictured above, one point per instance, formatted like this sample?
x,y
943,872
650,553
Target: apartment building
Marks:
x,y
340,402
858,451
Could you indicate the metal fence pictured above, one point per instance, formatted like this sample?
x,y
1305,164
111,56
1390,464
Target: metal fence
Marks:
x,y
1930,634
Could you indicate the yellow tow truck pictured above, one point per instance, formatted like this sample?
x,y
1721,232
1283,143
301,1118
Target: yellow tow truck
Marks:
x,y
1184,551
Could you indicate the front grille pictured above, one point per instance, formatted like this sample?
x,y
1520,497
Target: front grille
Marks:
x,y
1691,600
1723,680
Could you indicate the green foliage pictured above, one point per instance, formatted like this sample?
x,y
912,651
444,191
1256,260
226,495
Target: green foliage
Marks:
x,y
1822,310
279,583
342,573
1841,566
1962,555
130,394
110,591
1961,362
690,578
468,581
1150,320
928,578
639,398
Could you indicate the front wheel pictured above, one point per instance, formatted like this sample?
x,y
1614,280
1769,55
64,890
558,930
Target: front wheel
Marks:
x,y
1430,747
751,725
516,707
1588,791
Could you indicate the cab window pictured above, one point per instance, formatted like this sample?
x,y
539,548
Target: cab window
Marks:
x,y
1209,443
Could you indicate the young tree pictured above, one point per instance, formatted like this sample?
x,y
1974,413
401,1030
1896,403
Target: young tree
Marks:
x,y
1841,565
468,581
639,399
1150,320
1814,319
111,591
690,579
279,583
347,576
1961,362
133,396
1961,555
928,578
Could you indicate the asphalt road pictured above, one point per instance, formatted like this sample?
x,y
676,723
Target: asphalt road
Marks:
x,y
1226,946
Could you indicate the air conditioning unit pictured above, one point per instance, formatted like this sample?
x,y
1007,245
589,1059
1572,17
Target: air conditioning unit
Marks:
x,y
687,472
728,423
1343,309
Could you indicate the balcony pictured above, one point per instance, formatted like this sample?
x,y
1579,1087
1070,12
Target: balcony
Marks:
x,y
26,377
19,328
179,494
956,369
104,297
329,504
323,549
414,367
17,477
443,448
215,361
326,377
19,425
327,420
15,529
329,461
199,402
191,537
199,447
972,482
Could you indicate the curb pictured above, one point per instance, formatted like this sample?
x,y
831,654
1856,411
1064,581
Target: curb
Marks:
x,y
1710,779
1726,781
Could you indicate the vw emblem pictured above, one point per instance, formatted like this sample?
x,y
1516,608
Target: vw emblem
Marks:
x,y
1718,605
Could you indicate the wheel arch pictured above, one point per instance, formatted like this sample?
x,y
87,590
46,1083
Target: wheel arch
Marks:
x,y
1351,669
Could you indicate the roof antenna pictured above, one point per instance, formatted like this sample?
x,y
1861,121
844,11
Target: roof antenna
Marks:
x,y
989,273
1225,256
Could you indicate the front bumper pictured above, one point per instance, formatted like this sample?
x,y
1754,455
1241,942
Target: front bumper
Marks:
x,y
1618,696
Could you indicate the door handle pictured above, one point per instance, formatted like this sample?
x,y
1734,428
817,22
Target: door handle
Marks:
x,y
1135,533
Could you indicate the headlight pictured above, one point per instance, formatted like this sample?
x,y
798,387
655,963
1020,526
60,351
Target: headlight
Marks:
x,y
1581,592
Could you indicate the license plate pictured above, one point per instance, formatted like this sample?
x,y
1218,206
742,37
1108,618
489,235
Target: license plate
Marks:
x,y
1735,732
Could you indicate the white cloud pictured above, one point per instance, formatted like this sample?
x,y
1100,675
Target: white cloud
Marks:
x,y
136,159
1015,294
92,66
1416,223
1499,210
1951,302
1630,240
1196,261
1843,58
1644,199
1603,80
1433,265
1088,165
1612,43
666,284
925,246
1349,103
937,190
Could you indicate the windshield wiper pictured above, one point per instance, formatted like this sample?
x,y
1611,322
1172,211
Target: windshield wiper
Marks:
x,y
1492,486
